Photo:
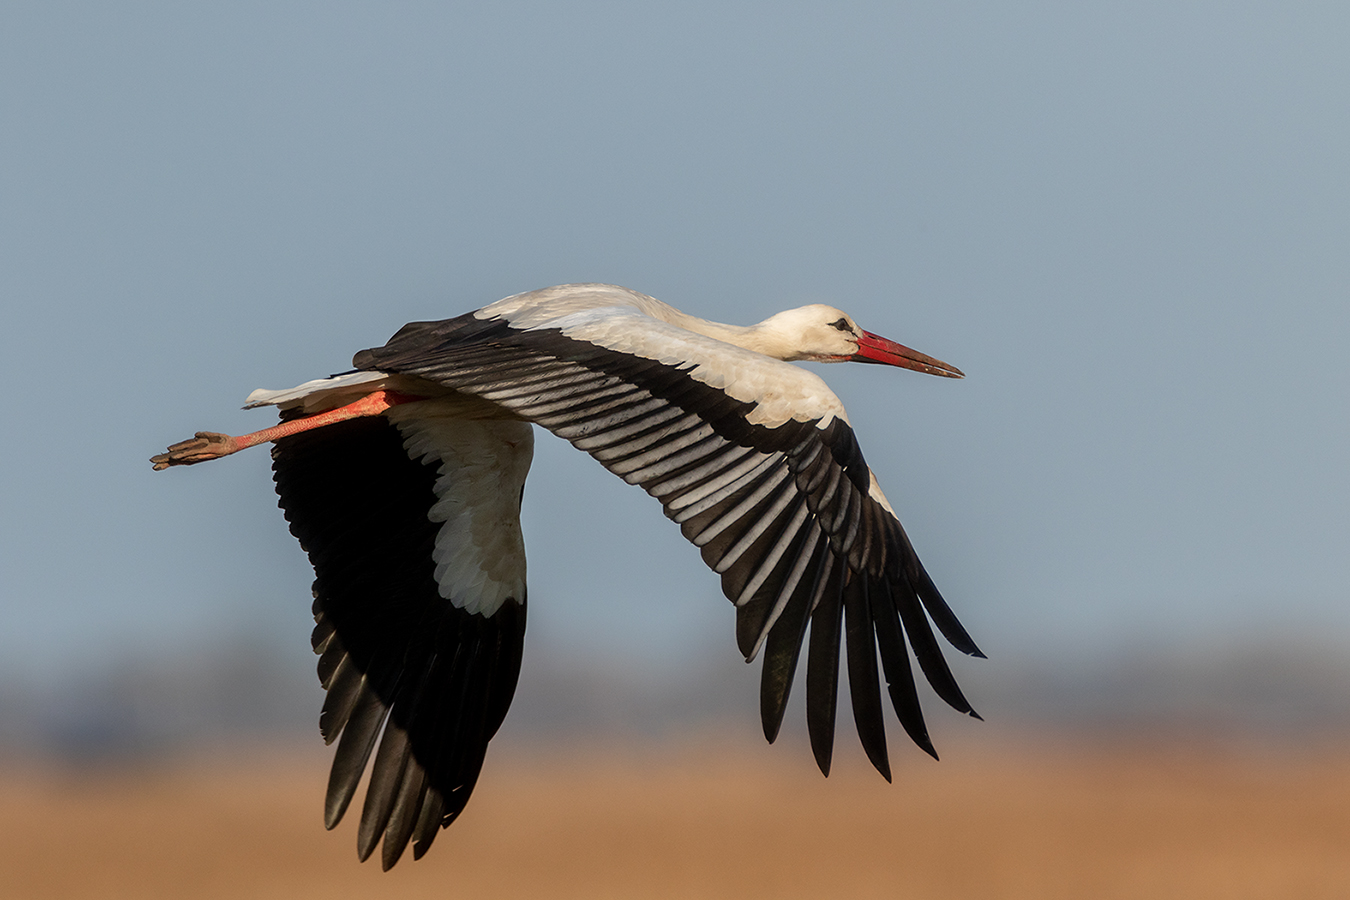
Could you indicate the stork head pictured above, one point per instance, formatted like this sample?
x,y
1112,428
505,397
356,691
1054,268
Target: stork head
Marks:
x,y
822,333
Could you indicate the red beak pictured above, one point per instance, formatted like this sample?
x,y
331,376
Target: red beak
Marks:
x,y
873,348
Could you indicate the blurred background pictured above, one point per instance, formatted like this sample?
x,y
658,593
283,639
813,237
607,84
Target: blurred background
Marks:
x,y
1130,227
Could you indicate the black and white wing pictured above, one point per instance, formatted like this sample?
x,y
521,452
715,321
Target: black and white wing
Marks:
x,y
420,618
756,462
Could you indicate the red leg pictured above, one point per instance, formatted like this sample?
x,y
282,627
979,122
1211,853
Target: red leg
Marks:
x,y
210,445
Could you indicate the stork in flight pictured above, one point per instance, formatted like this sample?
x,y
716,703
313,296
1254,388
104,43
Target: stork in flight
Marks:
x,y
403,478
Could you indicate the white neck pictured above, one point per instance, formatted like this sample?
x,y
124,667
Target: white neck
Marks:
x,y
761,338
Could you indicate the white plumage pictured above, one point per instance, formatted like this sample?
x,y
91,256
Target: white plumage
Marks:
x,y
403,482
481,467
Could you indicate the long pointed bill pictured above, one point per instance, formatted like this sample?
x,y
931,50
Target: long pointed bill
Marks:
x,y
873,348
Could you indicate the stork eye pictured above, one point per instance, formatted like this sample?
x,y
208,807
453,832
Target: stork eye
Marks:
x,y
842,325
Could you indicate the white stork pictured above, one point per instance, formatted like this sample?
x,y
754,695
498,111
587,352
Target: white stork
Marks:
x,y
403,479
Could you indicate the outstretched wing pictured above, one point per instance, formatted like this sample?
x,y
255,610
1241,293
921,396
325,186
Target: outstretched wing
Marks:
x,y
420,659
756,462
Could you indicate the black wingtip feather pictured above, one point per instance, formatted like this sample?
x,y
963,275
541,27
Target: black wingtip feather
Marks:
x,y
899,675
864,686
822,673
403,818
385,778
926,648
349,761
782,649
750,619
344,690
429,820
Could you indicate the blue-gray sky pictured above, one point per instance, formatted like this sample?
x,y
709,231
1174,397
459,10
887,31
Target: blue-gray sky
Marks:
x,y
1129,226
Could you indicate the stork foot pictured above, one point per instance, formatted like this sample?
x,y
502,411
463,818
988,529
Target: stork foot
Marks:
x,y
205,445
209,445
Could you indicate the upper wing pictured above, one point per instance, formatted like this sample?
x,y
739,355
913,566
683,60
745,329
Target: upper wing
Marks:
x,y
755,461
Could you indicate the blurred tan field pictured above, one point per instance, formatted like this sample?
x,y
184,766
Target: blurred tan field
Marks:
x,y
712,819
